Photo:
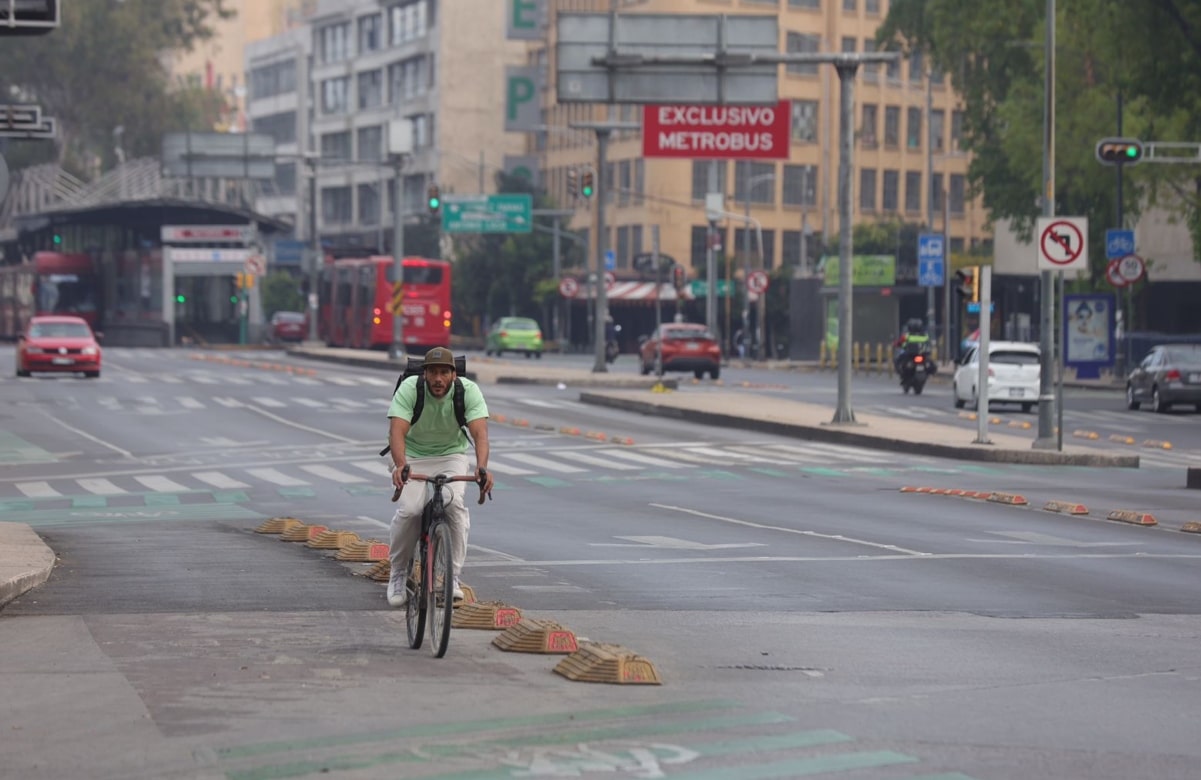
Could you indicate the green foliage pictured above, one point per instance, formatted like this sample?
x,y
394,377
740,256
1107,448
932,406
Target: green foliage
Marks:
x,y
508,274
281,292
1148,51
104,68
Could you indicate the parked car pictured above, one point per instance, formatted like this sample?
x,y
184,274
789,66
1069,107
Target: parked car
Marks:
x,y
514,334
60,344
1013,375
685,346
1169,374
288,326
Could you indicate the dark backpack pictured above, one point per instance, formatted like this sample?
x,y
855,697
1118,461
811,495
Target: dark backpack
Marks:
x,y
415,367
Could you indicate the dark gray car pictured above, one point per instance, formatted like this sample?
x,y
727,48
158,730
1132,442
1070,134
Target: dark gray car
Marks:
x,y
1170,374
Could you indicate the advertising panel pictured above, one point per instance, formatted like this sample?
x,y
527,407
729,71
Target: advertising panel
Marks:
x,y
716,132
1088,333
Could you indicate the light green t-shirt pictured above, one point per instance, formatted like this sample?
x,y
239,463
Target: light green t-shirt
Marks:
x,y
437,432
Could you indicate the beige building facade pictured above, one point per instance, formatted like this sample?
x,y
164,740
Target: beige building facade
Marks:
x,y
907,130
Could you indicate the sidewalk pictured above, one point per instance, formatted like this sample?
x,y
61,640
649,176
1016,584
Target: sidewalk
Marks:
x,y
25,561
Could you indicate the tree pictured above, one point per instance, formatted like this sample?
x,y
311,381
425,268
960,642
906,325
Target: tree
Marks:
x,y
104,68
1148,51
281,293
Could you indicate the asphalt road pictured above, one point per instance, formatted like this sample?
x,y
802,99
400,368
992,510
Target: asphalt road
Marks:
x,y
805,616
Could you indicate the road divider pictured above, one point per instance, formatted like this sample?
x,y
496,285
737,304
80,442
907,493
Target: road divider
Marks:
x,y
1120,439
1011,499
1134,518
1157,444
1065,507
1091,435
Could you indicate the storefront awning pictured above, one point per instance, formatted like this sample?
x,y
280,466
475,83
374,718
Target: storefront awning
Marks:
x,y
634,292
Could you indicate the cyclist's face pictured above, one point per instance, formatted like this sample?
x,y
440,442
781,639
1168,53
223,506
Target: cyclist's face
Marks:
x,y
439,378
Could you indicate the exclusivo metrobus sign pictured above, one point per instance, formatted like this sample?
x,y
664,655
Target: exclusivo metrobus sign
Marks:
x,y
716,132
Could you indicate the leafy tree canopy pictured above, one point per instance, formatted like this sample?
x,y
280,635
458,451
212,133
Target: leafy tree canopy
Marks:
x,y
1146,51
104,68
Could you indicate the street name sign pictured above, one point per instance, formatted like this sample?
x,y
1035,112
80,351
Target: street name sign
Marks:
x,y
509,213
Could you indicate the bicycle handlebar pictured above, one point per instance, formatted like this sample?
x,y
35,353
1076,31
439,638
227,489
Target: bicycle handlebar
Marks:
x,y
407,474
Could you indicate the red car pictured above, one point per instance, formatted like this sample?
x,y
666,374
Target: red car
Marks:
x,y
686,346
289,326
58,343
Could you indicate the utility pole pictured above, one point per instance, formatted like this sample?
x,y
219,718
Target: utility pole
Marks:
x,y
1046,391
930,196
315,238
398,252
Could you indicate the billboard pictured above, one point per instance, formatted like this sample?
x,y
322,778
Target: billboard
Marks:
x,y
1088,333
716,132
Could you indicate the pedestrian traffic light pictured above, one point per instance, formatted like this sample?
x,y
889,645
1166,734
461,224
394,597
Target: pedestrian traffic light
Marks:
x,y
965,283
586,182
434,198
1119,151
573,184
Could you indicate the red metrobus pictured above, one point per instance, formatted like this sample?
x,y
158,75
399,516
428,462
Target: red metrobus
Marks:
x,y
53,283
355,299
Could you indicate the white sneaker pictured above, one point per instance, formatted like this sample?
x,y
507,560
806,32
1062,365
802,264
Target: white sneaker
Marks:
x,y
398,596
457,593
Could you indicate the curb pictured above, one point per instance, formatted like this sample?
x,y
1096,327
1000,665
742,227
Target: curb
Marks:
x,y
28,561
834,436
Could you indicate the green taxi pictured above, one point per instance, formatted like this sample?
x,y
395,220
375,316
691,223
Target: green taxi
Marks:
x,y
514,334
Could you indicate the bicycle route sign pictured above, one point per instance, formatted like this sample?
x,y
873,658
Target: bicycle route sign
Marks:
x,y
1062,243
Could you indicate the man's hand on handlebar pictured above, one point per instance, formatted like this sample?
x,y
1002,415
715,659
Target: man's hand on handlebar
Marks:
x,y
400,475
484,478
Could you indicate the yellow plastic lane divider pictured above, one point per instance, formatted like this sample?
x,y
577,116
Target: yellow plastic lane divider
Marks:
x,y
1120,439
1093,435
1157,444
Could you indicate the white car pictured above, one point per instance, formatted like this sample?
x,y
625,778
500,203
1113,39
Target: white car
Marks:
x,y
1013,375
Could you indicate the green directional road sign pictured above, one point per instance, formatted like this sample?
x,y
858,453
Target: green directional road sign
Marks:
x,y
700,288
487,213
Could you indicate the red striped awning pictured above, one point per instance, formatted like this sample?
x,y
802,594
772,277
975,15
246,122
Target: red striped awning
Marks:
x,y
633,292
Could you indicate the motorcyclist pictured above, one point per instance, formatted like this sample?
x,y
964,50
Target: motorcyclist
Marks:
x,y
913,340
611,331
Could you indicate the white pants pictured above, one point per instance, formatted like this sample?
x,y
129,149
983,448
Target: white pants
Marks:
x,y
406,523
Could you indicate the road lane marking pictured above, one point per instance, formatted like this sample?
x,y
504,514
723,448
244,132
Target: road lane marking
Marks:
x,y
219,480
161,484
229,403
101,487
583,457
188,402
297,425
309,402
86,435
333,474
38,490
268,401
276,477
375,467
648,460
543,463
503,467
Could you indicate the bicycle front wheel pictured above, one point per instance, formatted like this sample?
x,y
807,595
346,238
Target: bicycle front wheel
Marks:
x,y
441,588
415,606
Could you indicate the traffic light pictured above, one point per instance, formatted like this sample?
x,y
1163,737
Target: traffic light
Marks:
x,y
58,240
965,283
573,184
975,284
1119,151
181,298
433,198
586,182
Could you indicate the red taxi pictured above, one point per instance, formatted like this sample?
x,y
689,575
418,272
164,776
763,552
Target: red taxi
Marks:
x,y
685,346
58,343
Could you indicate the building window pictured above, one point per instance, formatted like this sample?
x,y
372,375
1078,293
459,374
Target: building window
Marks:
x,y
913,192
369,33
892,186
764,191
285,178
334,98
623,247
804,121
892,126
956,130
371,88
872,7
281,127
639,180
803,43
937,118
271,80
636,240
333,42
744,238
936,193
848,45
407,79
336,206
917,72
369,204
913,128
800,185
867,132
850,6
790,248
625,184
336,146
700,178
815,4
892,71
870,70
371,143
407,22
700,244
958,193
867,190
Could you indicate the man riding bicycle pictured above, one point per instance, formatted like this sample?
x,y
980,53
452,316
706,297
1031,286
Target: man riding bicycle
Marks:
x,y
434,445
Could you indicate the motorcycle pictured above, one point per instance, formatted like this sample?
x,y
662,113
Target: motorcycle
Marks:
x,y
611,348
914,367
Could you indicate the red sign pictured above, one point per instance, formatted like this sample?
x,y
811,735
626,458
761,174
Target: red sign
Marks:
x,y
716,132
757,281
1114,275
568,287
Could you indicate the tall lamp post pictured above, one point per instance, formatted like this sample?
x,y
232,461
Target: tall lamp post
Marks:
x,y
746,246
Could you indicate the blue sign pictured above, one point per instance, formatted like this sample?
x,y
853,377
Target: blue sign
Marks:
x,y
973,307
610,260
1088,333
289,251
1118,244
931,265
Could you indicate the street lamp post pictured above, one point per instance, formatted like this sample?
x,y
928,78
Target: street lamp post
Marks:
x,y
746,251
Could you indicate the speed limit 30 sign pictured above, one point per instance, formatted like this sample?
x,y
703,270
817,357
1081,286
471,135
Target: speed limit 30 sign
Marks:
x,y
1062,243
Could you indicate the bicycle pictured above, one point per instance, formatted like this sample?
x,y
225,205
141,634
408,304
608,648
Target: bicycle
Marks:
x,y
430,588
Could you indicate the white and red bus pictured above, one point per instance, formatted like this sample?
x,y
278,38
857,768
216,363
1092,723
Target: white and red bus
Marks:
x,y
355,300
53,283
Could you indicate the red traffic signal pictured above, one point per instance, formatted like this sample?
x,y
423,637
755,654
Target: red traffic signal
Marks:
x,y
1119,151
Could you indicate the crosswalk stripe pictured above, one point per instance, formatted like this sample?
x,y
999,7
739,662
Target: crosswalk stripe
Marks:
x,y
37,489
593,460
134,379
229,403
269,402
170,379
501,467
101,487
309,402
269,379
276,477
648,460
333,474
542,463
340,380
161,484
729,453
304,380
352,404
826,450
205,380
375,467
678,454
188,402
219,480
375,381
538,402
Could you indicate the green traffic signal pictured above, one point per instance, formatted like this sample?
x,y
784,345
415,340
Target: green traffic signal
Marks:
x,y
586,188
1119,151
180,298
58,240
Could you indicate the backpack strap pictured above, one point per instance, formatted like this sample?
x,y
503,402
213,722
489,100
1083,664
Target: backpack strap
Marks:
x,y
458,398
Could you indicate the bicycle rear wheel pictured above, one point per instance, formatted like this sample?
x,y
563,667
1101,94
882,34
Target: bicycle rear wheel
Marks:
x,y
415,606
441,586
